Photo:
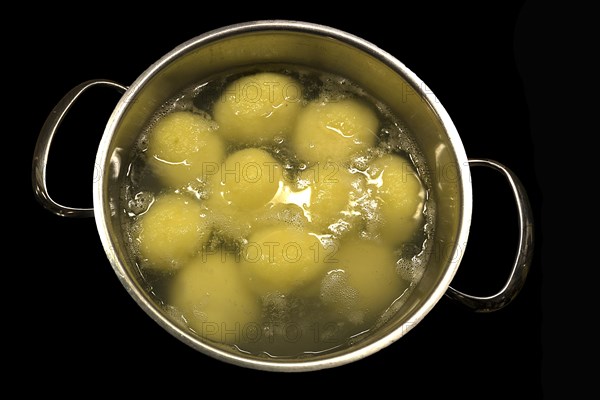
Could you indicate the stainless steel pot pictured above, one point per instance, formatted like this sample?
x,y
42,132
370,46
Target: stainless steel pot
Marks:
x,y
307,44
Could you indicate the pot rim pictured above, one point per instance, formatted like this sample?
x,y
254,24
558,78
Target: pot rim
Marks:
x,y
320,30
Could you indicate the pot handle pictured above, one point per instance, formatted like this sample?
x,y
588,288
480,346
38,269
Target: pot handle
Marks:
x,y
524,251
42,149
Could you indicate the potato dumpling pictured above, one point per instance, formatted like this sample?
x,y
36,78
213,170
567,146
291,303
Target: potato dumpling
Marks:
x,y
280,259
334,191
184,149
172,231
334,131
215,302
242,190
400,198
258,107
250,178
364,282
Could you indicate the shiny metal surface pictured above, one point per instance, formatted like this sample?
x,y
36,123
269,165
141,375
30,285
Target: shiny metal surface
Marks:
x,y
42,149
310,45
261,42
524,253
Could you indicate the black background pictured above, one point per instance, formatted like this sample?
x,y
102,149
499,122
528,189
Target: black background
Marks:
x,y
481,63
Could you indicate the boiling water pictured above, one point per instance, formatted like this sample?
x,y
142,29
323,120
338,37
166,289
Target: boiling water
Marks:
x,y
291,325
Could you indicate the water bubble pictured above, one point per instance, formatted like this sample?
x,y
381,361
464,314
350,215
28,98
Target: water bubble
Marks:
x,y
140,203
332,303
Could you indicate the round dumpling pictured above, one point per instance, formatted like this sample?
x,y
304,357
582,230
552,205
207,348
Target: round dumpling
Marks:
x,y
400,197
334,131
214,301
364,282
334,192
250,178
183,149
245,185
258,107
172,231
280,259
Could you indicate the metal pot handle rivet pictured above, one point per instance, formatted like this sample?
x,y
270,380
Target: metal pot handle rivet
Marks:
x,y
42,148
524,253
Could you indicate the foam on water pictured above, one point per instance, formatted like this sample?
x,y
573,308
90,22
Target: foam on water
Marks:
x,y
302,322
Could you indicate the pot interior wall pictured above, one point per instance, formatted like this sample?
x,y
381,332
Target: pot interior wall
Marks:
x,y
198,60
